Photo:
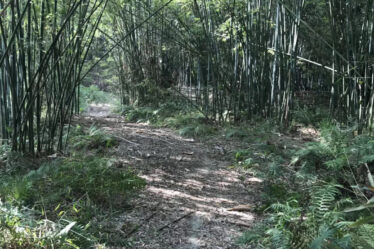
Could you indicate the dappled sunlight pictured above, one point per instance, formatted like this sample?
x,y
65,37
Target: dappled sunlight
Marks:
x,y
170,193
189,190
309,132
254,180
151,178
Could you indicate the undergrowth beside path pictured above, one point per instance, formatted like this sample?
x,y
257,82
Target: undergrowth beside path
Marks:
x,y
172,179
318,196
66,201
316,177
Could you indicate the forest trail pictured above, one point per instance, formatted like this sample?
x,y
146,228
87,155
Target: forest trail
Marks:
x,y
189,191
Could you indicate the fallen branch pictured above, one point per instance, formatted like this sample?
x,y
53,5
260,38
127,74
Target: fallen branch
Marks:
x,y
123,139
175,221
135,229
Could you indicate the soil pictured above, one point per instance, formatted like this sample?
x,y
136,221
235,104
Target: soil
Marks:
x,y
191,195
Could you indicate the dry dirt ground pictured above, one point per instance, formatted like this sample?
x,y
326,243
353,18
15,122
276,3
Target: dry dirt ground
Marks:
x,y
190,188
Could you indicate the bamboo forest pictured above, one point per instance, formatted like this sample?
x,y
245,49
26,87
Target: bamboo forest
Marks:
x,y
187,124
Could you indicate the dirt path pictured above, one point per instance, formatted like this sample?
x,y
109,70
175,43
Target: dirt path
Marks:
x,y
189,187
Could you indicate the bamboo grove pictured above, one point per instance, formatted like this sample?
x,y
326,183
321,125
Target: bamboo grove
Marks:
x,y
250,58
235,59
43,48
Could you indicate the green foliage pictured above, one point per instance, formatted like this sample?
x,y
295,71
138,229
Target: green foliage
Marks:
x,y
275,192
4,150
314,202
322,199
242,155
150,93
12,163
93,139
24,228
338,152
102,74
173,115
71,179
67,191
291,225
364,237
141,114
93,95
197,131
182,120
310,116
236,132
192,124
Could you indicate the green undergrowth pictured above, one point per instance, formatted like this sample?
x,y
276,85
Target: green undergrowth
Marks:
x,y
317,196
93,95
78,192
189,122
308,116
90,139
186,120
65,202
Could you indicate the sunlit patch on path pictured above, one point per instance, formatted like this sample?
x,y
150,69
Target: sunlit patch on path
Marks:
x,y
189,192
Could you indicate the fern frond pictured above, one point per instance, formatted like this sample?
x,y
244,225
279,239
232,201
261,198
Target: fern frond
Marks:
x,y
279,238
365,236
323,199
325,234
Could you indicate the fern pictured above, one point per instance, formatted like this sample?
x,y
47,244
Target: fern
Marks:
x,y
278,238
93,139
323,199
364,237
315,218
325,236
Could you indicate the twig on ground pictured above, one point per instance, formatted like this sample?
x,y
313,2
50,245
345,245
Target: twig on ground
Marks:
x,y
175,221
123,139
135,229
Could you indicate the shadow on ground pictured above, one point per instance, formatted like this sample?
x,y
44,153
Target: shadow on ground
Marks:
x,y
189,187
